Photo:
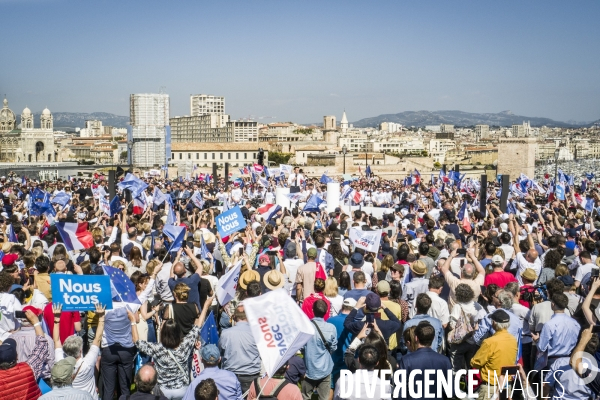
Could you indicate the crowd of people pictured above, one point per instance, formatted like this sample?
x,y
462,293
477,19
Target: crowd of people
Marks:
x,y
452,286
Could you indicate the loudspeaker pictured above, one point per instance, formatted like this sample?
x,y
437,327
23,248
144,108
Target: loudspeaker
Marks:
x,y
215,176
444,168
483,194
111,184
226,176
457,168
504,194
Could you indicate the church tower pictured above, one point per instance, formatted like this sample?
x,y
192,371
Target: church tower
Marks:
x,y
344,123
26,119
47,121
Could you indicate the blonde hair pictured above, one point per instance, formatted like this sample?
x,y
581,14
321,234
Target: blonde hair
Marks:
x,y
331,287
387,263
181,291
151,265
117,264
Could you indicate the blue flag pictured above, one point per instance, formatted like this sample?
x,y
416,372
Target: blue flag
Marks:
x,y
325,179
135,185
561,176
10,232
61,198
208,332
510,208
122,288
583,186
312,205
115,206
590,176
463,210
560,192
589,204
436,198
176,234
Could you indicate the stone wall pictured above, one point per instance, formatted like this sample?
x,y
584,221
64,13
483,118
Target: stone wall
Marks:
x,y
516,156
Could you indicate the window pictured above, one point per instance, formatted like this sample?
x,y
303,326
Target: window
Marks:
x,y
213,156
197,156
245,156
237,156
220,156
189,156
172,156
229,156
205,156
180,155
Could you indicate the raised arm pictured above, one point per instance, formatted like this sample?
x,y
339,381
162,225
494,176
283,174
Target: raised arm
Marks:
x,y
56,310
100,312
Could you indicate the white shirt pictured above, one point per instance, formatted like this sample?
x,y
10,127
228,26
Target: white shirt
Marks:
x,y
583,270
508,251
213,284
162,283
8,305
411,290
522,264
439,308
84,367
336,305
291,268
295,180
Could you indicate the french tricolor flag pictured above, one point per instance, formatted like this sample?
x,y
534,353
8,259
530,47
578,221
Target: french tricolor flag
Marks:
x,y
139,204
75,235
268,211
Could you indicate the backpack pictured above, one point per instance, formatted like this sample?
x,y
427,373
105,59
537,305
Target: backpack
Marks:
x,y
274,394
462,330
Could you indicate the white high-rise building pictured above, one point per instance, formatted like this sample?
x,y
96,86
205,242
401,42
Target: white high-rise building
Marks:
x,y
521,130
481,132
149,117
207,104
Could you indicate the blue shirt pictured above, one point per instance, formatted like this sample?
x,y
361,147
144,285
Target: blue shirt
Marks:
x,y
356,293
192,281
559,335
317,358
567,385
437,325
344,338
485,327
239,353
227,383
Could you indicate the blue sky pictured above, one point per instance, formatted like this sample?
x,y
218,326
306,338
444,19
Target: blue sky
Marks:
x,y
300,60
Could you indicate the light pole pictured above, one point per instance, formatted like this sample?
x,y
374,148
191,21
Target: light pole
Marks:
x,y
344,151
556,153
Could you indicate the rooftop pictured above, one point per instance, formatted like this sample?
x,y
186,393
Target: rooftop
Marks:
x,y
198,146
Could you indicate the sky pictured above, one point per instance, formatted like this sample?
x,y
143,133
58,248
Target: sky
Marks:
x,y
300,60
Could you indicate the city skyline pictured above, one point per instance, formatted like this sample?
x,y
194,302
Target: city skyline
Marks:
x,y
298,62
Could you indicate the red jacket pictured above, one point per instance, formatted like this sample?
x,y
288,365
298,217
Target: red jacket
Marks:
x,y
19,382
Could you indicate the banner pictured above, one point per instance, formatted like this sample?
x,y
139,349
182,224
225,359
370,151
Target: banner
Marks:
x,y
228,283
230,221
279,327
367,240
80,292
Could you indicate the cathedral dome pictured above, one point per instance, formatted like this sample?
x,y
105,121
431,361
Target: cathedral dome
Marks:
x,y
46,112
26,111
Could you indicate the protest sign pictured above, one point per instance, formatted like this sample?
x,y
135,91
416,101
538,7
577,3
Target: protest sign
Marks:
x,y
80,292
230,221
228,284
279,327
367,240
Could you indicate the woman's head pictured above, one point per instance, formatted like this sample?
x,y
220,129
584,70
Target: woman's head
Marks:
x,y
410,338
375,340
387,263
331,287
170,334
464,293
181,292
395,290
135,254
345,281
552,259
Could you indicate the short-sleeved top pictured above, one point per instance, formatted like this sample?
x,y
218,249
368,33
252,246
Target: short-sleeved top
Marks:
x,y
185,315
306,276
453,282
499,278
67,321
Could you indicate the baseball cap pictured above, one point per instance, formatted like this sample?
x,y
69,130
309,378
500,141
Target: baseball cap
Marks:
x,y
312,252
373,302
500,316
210,353
63,370
349,302
9,259
264,258
567,280
8,351
497,260
383,287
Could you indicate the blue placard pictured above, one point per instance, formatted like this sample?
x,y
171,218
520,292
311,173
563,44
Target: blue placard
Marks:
x,y
560,192
80,292
230,221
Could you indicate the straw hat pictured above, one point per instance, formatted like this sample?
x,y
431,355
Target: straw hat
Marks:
x,y
247,277
418,267
274,279
529,274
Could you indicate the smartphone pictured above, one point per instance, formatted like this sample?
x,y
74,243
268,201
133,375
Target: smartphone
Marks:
x,y
511,370
370,317
155,302
389,233
293,237
595,273
31,277
461,252
20,314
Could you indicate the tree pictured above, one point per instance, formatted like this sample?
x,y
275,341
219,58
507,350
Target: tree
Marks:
x,y
437,165
424,153
124,155
279,158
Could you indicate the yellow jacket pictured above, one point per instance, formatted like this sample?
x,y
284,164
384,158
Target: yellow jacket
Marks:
x,y
497,351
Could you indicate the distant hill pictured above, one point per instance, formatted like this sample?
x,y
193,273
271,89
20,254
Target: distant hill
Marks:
x,y
461,118
64,120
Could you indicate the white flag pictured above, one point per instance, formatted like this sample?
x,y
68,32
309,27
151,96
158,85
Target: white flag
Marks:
x,y
286,169
279,327
367,240
105,205
228,283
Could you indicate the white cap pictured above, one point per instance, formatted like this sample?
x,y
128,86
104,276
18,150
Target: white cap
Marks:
x,y
350,302
504,227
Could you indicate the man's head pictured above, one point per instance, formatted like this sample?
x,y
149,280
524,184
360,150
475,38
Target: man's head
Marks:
x,y
311,254
559,302
206,390
62,372
436,284
423,303
264,260
468,271
73,346
497,262
500,320
531,255
368,356
210,355
179,270
359,280
60,266
348,305
319,308
503,299
424,333
146,379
